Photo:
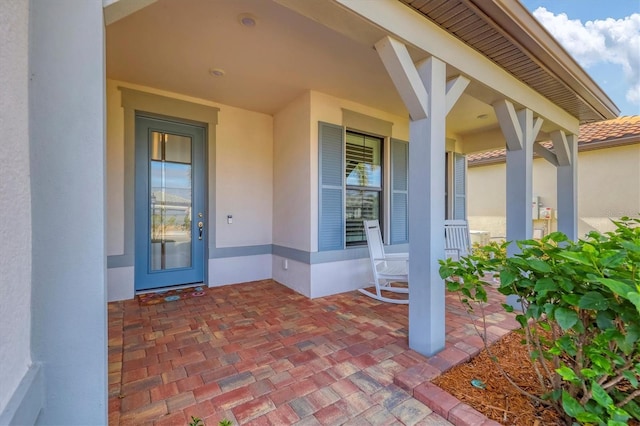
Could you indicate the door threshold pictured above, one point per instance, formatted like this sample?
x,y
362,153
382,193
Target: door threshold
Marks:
x,y
173,287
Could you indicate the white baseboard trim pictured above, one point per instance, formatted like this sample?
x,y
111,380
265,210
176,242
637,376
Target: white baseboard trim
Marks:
x,y
27,401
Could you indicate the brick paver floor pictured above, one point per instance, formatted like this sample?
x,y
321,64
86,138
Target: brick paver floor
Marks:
x,y
260,353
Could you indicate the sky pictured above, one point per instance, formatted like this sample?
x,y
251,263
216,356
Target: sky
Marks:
x,y
603,36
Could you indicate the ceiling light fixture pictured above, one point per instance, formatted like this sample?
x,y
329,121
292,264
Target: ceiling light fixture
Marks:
x,y
216,72
247,20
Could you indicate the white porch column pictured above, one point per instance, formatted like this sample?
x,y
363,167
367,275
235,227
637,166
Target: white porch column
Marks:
x,y
520,130
429,98
567,181
426,215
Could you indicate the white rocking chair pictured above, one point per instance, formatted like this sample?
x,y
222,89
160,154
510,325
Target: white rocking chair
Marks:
x,y
387,268
457,239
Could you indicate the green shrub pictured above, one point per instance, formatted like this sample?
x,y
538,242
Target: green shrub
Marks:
x,y
580,304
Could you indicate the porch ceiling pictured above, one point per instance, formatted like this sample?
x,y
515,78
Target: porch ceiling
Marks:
x,y
172,47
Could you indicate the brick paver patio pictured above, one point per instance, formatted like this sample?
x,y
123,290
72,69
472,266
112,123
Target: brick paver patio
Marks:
x,y
259,353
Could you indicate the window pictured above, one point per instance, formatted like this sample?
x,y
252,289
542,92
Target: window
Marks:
x,y
363,178
351,186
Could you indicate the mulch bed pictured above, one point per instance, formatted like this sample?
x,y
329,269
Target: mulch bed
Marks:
x,y
500,401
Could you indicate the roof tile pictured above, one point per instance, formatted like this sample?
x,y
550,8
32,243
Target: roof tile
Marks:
x,y
590,133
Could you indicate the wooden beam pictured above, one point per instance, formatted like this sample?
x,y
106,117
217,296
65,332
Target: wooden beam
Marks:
x,y
561,146
508,120
535,129
114,10
405,77
545,153
407,25
455,89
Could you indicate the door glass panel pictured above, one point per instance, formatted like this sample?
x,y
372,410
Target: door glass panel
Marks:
x,y
170,201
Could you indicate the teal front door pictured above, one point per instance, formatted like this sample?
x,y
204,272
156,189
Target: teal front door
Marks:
x,y
170,216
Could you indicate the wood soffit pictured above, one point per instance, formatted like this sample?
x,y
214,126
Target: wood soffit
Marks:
x,y
547,69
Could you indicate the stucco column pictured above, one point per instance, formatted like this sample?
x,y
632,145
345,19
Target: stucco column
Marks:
x,y
428,98
426,215
567,193
520,130
519,195
67,165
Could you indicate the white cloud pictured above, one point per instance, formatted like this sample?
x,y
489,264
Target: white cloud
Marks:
x,y
615,41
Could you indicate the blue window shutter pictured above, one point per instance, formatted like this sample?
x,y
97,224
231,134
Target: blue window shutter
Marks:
x,y
331,192
460,187
399,192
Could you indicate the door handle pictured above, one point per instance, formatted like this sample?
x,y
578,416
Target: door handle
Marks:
x,y
200,229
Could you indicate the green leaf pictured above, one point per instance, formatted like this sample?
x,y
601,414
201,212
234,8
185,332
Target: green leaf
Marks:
x,y
613,261
618,287
539,265
632,378
545,326
545,284
587,417
570,405
522,320
567,374
445,272
588,373
619,415
604,319
566,345
575,257
453,286
566,318
593,300
506,277
507,308
635,299
602,362
600,395
557,237
566,284
571,299
617,423
630,246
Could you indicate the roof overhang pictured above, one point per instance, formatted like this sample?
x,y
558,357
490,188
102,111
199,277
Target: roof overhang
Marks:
x,y
267,68
524,48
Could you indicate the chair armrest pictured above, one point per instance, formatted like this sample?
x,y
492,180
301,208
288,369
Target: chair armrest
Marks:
x,y
451,252
396,256
389,258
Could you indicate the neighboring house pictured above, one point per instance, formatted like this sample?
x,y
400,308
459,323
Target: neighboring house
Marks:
x,y
284,122
608,182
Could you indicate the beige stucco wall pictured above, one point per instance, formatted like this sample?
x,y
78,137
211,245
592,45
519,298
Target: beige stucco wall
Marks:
x,y
291,175
296,163
15,202
295,218
242,173
608,187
